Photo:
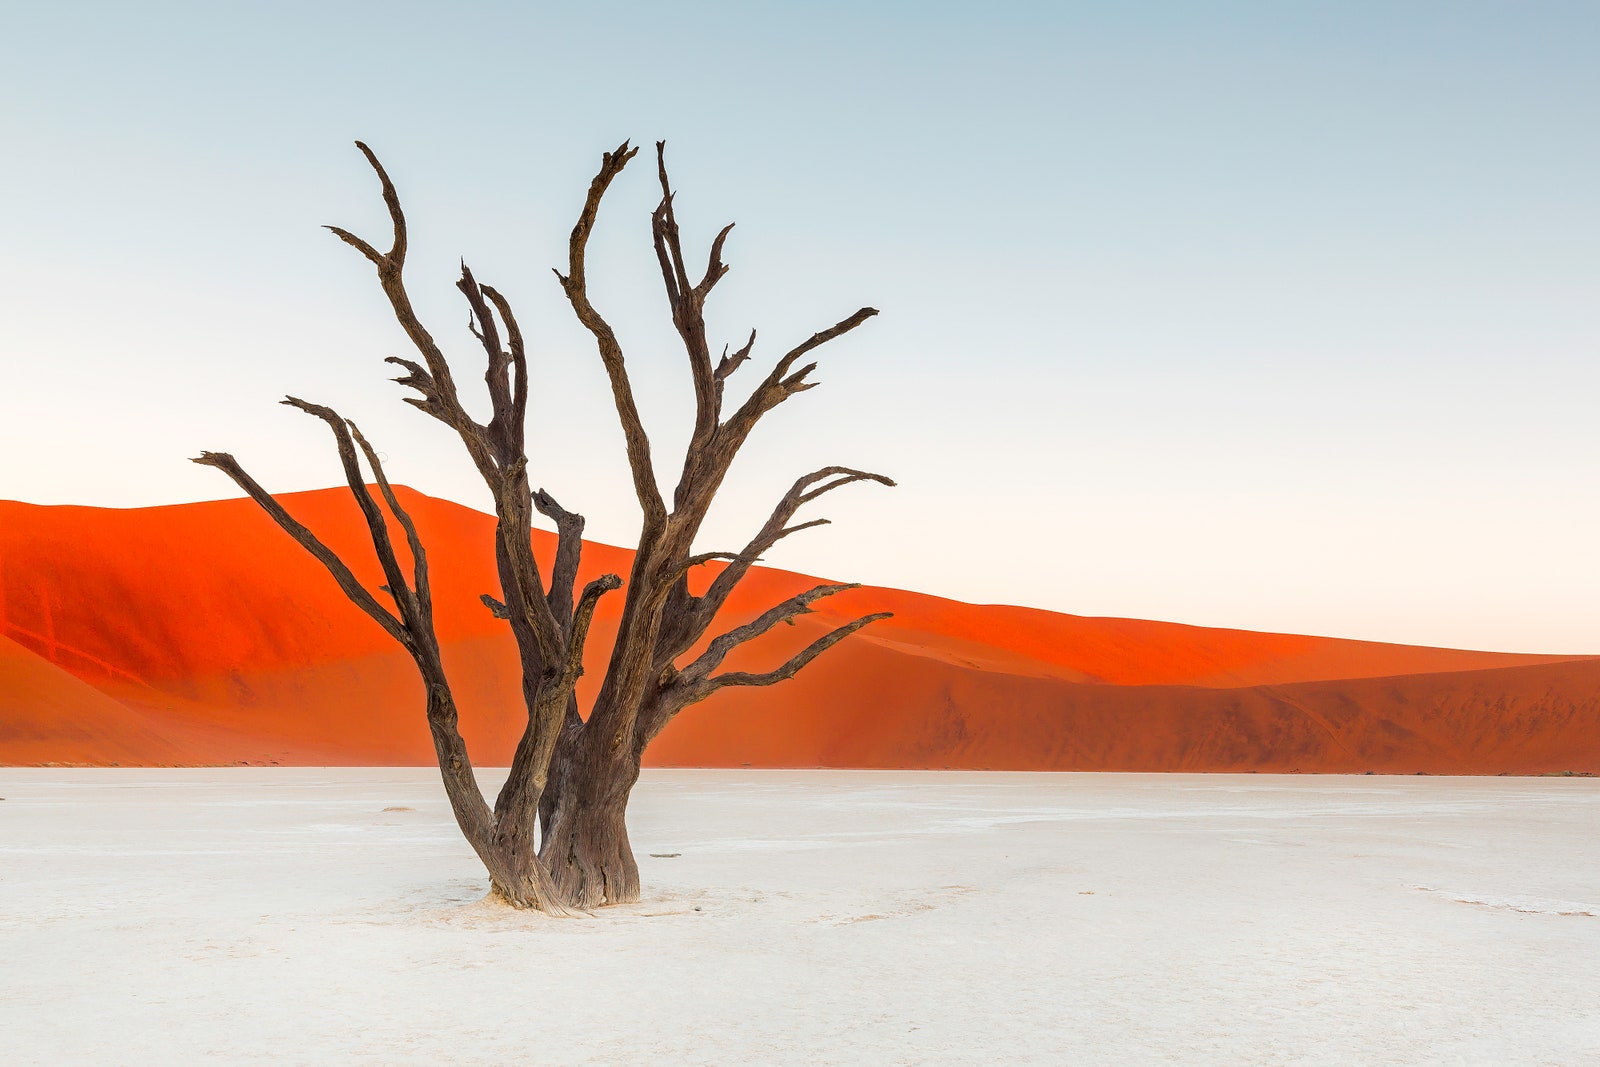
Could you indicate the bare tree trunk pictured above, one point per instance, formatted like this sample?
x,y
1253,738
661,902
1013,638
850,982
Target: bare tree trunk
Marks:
x,y
510,857
563,765
586,848
557,834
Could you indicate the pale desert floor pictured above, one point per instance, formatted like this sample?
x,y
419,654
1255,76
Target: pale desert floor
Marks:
x,y
809,917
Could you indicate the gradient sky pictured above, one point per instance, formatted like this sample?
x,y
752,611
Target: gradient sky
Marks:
x,y
1281,316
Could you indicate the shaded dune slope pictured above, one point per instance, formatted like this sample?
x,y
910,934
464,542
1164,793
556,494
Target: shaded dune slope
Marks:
x,y
47,715
201,634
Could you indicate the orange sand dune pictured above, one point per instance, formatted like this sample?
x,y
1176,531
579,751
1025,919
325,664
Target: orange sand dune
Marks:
x,y
201,634
862,708
48,716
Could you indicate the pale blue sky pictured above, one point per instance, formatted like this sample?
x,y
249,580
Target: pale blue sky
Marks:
x,y
1280,316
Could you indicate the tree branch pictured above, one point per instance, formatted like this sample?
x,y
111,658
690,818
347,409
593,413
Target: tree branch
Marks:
x,y
779,385
497,375
417,377
717,651
519,363
377,526
800,659
774,530
532,620
309,541
569,552
581,618
575,284
715,268
701,559
437,386
688,316
395,258
678,690
728,364
420,584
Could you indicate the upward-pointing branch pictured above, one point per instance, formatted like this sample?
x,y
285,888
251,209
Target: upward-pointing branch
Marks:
x,y
687,301
569,552
377,526
436,384
782,382
395,258
420,584
575,283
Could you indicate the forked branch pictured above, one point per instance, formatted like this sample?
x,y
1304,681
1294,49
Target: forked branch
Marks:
x,y
395,258
377,526
687,301
420,585
776,528
800,604
799,659
783,381
309,541
695,682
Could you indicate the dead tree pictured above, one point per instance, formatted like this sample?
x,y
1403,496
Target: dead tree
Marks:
x,y
556,837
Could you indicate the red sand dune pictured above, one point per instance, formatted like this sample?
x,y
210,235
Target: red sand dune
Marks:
x,y
201,634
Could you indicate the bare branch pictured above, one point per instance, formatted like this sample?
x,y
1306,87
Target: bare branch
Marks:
x,y
717,651
728,364
357,243
439,396
534,624
581,618
419,556
419,379
688,316
775,529
395,258
497,375
779,384
669,248
391,200
377,525
787,530
822,337
701,559
569,553
799,660
519,364
715,268
678,690
309,541
575,284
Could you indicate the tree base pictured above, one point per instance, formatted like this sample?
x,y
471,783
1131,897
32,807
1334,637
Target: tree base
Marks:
x,y
588,857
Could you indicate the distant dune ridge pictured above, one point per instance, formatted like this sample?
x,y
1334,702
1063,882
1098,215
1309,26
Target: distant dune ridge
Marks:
x,y
200,634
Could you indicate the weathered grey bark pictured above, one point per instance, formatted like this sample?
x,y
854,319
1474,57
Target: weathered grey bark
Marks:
x,y
556,837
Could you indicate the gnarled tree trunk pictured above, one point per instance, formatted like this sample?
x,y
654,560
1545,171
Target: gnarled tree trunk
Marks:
x,y
556,837
586,848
